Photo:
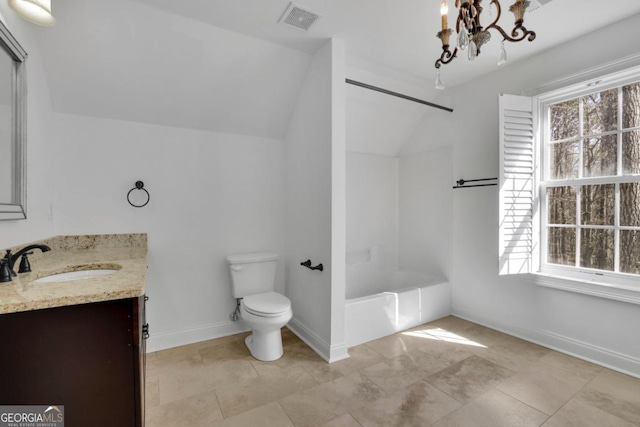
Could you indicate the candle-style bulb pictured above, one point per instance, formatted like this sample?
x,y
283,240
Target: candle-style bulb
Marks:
x,y
444,9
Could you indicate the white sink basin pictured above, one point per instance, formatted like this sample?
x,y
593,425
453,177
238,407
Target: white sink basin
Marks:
x,y
75,275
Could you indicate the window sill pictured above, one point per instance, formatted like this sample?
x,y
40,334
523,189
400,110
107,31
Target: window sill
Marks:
x,y
592,287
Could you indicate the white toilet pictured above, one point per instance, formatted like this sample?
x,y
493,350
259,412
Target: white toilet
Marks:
x,y
264,310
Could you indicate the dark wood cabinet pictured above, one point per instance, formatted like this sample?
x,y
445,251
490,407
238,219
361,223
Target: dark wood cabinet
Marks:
x,y
88,357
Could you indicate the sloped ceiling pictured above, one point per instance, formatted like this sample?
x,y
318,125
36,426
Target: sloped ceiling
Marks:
x,y
124,60
228,66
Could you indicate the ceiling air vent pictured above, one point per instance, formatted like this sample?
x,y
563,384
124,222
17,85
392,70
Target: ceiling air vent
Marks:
x,y
298,17
536,4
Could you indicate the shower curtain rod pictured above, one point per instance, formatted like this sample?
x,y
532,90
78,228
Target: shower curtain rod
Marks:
x,y
399,95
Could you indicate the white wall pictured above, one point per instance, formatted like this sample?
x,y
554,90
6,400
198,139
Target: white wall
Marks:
x,y
425,210
314,168
212,195
39,144
372,206
594,328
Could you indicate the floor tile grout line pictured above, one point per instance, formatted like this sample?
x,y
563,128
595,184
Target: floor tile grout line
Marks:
x,y
218,402
354,418
285,410
602,409
494,388
308,369
253,366
375,351
491,388
277,402
539,410
525,404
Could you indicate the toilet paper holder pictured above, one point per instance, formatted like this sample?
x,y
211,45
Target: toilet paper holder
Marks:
x,y
307,264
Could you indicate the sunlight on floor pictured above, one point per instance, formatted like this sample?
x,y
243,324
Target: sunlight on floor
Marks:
x,y
442,335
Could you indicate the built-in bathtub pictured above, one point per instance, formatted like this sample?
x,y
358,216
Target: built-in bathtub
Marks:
x,y
382,303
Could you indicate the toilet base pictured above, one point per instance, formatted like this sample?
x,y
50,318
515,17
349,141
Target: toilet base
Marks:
x,y
265,346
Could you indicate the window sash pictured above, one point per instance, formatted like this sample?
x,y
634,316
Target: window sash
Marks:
x,y
545,181
616,227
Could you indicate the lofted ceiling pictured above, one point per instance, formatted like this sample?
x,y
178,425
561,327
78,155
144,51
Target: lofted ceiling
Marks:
x,y
229,66
401,35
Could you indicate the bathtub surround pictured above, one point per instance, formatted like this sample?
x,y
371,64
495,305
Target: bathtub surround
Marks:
x,y
372,207
382,300
401,205
425,209
398,242
392,302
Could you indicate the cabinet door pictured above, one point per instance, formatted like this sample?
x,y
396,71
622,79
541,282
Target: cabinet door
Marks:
x,y
79,356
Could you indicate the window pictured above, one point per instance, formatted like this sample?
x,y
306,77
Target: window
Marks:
x,y
590,184
570,182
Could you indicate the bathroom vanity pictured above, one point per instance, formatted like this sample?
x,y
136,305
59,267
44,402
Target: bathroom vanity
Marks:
x,y
78,343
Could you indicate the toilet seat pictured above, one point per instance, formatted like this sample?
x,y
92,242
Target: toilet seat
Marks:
x,y
268,304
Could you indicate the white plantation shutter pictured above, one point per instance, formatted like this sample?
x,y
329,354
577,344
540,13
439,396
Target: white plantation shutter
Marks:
x,y
516,183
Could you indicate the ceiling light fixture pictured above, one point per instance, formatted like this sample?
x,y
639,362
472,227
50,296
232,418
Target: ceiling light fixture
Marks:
x,y
34,11
471,33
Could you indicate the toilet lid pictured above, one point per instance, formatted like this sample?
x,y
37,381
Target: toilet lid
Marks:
x,y
269,304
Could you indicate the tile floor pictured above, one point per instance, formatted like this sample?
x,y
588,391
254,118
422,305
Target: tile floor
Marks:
x,y
446,373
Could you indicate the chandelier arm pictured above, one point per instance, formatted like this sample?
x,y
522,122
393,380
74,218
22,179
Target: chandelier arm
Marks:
x,y
494,23
447,56
525,33
515,37
498,28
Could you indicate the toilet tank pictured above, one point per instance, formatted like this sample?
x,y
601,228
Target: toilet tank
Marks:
x,y
252,273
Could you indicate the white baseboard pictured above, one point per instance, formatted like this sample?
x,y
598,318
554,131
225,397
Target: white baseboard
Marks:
x,y
582,350
339,352
318,345
163,341
311,339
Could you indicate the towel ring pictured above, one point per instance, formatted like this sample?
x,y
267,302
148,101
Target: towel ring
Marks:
x,y
139,186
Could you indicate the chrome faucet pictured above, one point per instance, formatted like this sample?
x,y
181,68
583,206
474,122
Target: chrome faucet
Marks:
x,y
25,267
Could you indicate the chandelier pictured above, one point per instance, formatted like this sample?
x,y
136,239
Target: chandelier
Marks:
x,y
472,35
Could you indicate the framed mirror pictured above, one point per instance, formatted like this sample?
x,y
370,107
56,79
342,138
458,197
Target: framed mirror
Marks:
x,y
13,128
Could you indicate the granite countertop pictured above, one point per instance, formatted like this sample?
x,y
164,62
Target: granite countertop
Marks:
x,y
126,253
